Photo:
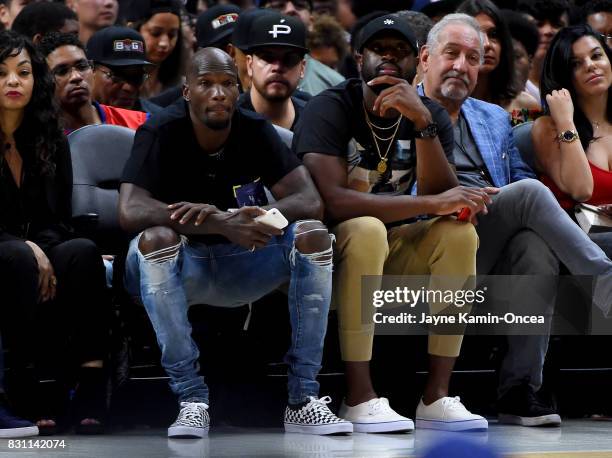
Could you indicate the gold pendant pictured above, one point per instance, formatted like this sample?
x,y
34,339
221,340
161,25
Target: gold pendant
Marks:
x,y
382,166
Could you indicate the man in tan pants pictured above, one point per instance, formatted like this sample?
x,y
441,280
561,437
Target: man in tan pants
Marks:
x,y
398,138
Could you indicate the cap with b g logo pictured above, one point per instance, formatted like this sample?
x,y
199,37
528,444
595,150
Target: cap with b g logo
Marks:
x,y
117,46
277,30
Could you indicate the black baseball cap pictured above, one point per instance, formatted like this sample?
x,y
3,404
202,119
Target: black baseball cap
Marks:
x,y
144,9
242,27
386,23
277,30
117,46
216,24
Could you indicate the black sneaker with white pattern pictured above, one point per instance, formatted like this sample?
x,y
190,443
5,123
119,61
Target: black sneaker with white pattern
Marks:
x,y
314,417
192,421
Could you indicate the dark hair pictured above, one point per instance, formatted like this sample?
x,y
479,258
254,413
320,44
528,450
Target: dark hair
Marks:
x,y
361,8
42,18
40,121
594,7
327,32
503,84
544,10
522,30
420,24
173,67
557,74
54,40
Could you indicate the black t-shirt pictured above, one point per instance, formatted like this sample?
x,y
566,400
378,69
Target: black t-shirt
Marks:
x,y
298,104
335,117
168,162
471,169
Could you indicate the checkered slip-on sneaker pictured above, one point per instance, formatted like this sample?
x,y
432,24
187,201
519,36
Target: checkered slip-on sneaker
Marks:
x,y
192,421
314,417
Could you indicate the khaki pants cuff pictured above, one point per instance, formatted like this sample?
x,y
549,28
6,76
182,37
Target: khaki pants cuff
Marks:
x,y
448,346
357,345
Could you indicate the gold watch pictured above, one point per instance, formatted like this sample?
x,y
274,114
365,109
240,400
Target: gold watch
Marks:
x,y
568,136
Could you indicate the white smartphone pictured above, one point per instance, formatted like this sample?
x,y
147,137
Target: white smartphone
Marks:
x,y
273,218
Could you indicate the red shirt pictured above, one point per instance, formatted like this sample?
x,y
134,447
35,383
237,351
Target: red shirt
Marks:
x,y
602,189
118,116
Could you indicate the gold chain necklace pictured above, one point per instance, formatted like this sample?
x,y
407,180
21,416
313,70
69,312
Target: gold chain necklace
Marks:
x,y
382,164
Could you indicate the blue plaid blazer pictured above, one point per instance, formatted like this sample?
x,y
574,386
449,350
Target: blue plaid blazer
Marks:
x,y
492,133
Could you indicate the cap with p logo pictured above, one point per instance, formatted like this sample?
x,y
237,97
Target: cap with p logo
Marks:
x,y
277,30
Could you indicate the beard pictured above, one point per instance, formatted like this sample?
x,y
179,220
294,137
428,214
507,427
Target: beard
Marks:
x,y
217,124
369,74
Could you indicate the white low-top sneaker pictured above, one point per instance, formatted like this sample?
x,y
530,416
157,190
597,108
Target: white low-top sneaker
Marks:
x,y
314,417
375,416
192,421
448,414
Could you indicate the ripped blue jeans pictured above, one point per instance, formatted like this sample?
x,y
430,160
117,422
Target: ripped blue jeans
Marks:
x,y
227,275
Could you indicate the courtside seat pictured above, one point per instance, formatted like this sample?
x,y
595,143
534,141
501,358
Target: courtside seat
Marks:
x,y
99,153
522,139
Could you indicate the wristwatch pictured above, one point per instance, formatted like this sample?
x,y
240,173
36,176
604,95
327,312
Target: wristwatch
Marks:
x,y
568,136
431,131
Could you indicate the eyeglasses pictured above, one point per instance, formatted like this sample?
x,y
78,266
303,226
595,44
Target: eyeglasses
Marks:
x,y
606,38
135,79
280,4
288,59
81,66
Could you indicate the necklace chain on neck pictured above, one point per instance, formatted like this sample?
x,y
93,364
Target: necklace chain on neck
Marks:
x,y
382,164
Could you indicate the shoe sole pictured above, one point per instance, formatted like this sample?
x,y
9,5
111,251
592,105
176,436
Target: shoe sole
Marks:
x,y
543,420
465,425
386,427
187,431
320,430
19,432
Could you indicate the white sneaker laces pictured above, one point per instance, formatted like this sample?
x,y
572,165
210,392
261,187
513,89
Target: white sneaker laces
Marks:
x,y
454,403
379,404
321,402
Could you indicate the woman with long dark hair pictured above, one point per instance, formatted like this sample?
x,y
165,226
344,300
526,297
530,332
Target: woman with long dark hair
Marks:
x,y
573,143
53,312
497,82
159,23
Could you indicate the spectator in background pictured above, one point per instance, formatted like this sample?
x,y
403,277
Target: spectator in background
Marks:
x,y
437,10
240,44
93,15
275,65
327,41
9,10
317,76
550,16
159,22
496,76
345,14
598,14
214,27
302,9
73,86
120,68
40,18
572,141
421,25
525,39
54,309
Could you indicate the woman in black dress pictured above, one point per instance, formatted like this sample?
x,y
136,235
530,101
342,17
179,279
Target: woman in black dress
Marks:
x,y
53,308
